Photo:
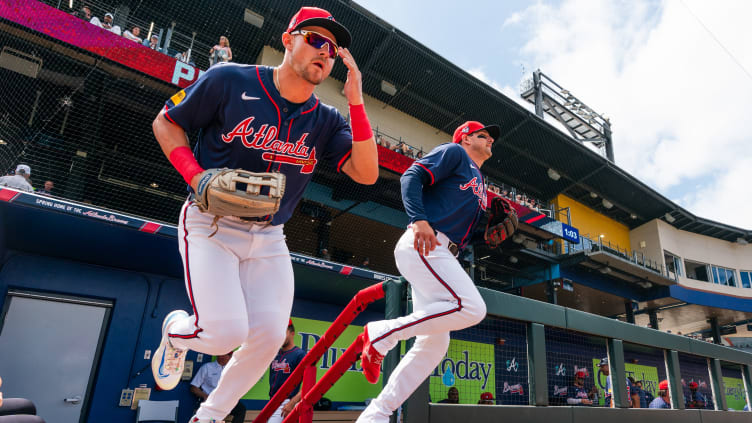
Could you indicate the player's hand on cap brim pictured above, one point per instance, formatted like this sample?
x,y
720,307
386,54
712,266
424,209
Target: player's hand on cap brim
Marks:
x,y
354,84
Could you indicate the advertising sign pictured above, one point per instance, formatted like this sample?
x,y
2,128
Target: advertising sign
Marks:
x,y
352,387
468,366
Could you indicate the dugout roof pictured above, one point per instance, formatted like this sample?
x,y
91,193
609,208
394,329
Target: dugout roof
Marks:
x,y
438,92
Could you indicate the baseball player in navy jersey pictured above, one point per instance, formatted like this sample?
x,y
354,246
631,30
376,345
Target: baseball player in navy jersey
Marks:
x,y
287,359
238,271
444,197
577,394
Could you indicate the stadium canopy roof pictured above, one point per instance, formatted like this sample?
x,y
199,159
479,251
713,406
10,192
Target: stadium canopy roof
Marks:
x,y
438,92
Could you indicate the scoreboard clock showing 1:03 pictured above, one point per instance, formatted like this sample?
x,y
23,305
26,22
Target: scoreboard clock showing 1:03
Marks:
x,y
570,234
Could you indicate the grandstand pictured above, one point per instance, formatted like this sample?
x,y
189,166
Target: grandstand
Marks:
x,y
602,265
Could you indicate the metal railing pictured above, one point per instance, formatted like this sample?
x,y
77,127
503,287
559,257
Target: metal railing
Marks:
x,y
588,245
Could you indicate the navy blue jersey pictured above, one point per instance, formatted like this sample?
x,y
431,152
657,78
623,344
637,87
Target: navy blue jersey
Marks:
x,y
446,189
577,392
245,123
281,368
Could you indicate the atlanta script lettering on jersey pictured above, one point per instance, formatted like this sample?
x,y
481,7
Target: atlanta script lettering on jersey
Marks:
x,y
282,366
276,150
477,190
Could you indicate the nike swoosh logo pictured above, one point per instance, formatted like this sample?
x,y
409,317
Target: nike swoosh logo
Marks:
x,y
245,97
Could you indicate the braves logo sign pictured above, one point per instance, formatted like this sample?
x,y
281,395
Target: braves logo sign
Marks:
x,y
478,190
275,150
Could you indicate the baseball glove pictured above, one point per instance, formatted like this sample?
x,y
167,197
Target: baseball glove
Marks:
x,y
236,192
502,222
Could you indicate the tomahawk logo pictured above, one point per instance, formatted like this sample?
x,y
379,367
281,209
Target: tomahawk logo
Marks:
x,y
477,190
276,151
560,370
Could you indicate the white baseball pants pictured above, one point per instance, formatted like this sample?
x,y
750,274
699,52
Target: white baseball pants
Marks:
x,y
240,283
277,416
444,299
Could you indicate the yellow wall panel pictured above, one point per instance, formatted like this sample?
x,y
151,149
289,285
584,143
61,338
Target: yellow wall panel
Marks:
x,y
593,224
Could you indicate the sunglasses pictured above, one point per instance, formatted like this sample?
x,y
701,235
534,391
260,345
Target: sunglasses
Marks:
x,y
317,41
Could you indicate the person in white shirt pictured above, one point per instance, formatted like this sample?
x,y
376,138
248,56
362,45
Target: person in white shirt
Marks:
x,y
106,23
206,380
20,180
133,34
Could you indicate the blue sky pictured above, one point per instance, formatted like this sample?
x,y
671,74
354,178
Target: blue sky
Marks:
x,y
461,34
674,76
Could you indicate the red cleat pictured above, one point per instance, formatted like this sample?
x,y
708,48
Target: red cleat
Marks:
x,y
370,360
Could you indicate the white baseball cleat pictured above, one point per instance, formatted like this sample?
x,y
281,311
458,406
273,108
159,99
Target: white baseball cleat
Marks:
x,y
195,419
167,361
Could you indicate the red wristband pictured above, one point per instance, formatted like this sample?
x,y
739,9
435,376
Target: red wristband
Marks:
x,y
184,161
361,127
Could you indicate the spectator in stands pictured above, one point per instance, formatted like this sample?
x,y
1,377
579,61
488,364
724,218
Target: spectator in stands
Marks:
x,y
577,394
47,190
632,396
325,254
637,387
20,180
697,399
406,151
398,147
453,396
183,57
419,155
663,400
133,34
153,42
486,398
379,140
206,379
518,199
106,23
366,263
648,395
287,359
84,13
220,52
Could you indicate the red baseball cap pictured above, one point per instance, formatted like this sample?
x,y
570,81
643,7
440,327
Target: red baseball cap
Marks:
x,y
289,323
471,127
486,396
313,16
693,384
580,375
663,385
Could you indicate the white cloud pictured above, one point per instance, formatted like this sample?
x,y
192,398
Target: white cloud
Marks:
x,y
678,103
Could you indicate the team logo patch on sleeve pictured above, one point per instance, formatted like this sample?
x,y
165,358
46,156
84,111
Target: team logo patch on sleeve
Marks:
x,y
178,97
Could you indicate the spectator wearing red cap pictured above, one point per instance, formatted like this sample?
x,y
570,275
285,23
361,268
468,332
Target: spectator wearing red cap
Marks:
x,y
663,400
486,398
697,399
577,394
287,359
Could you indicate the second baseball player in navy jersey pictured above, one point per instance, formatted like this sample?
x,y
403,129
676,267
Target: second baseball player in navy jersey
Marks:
x,y
286,137
444,197
238,272
446,189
